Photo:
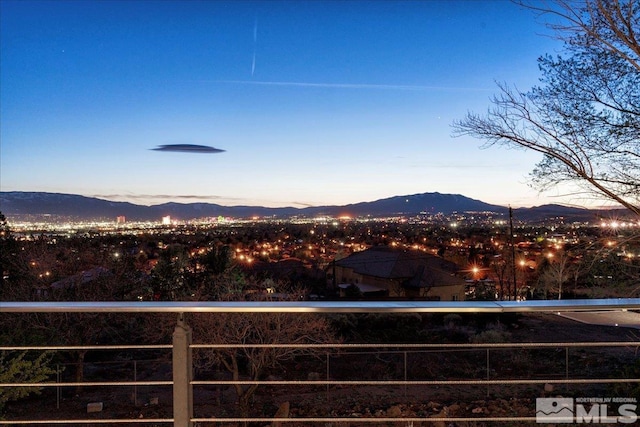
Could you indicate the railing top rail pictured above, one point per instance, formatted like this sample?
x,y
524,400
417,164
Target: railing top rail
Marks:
x,y
321,306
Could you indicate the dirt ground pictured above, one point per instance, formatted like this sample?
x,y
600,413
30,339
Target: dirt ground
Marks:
x,y
379,401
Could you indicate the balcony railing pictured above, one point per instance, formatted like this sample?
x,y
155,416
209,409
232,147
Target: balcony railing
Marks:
x,y
182,380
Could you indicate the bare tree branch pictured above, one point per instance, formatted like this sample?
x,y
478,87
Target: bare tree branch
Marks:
x,y
584,118
596,21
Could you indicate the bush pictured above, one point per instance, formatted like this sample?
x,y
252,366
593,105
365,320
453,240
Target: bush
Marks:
x,y
494,333
628,389
451,320
18,368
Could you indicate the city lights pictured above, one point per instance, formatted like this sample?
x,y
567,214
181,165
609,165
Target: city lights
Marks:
x,y
476,240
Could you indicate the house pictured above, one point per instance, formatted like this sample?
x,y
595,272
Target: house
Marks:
x,y
400,273
81,278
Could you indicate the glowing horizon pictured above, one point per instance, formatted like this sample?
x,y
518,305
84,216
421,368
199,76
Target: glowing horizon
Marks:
x,y
309,104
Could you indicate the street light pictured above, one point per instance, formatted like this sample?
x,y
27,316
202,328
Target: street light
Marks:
x,y
522,263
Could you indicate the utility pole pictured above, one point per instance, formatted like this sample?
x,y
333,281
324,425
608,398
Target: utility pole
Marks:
x,y
513,254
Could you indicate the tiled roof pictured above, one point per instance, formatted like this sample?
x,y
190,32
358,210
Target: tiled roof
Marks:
x,y
414,268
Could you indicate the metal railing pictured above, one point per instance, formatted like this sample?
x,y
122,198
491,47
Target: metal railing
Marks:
x,y
183,381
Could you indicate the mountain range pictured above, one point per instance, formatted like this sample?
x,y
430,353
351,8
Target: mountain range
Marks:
x,y
33,205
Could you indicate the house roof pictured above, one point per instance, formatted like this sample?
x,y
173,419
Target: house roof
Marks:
x,y
412,268
81,278
364,288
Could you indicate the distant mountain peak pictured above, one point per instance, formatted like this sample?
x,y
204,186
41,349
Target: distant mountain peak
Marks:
x,y
29,204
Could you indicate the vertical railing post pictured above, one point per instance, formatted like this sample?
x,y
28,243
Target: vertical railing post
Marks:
x,y
182,374
405,374
328,375
488,371
566,372
58,388
135,380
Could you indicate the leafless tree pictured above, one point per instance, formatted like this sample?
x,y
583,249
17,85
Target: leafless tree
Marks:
x,y
250,329
613,25
556,273
584,117
500,268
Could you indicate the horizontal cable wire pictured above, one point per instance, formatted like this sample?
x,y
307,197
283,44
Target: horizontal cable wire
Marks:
x,y
425,382
88,347
333,382
332,346
443,346
91,421
90,384
275,420
365,420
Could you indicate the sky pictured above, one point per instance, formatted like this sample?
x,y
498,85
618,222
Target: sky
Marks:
x,y
314,103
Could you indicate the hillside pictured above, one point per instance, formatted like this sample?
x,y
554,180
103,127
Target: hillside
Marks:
x,y
38,205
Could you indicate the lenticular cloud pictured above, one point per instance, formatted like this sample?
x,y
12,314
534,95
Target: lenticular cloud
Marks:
x,y
187,148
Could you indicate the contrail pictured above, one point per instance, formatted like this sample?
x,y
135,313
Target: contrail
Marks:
x,y
353,85
255,43
255,30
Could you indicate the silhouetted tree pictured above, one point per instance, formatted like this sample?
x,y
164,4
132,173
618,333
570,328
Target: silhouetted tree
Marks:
x,y
170,277
584,118
246,329
16,279
555,273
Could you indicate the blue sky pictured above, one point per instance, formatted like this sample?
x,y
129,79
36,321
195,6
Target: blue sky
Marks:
x,y
314,102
